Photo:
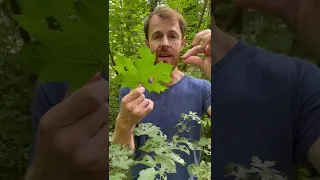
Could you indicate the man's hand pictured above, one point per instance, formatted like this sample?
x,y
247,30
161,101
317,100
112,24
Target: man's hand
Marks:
x,y
73,137
134,107
190,57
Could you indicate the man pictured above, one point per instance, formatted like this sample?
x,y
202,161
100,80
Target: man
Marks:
x,y
265,104
68,131
164,32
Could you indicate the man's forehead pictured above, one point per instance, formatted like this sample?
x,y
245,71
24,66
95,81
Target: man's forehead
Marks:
x,y
156,24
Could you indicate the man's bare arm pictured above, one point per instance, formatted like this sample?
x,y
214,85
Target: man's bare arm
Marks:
x,y
314,155
123,135
134,107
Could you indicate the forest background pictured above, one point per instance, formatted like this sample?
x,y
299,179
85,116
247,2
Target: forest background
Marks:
x,y
126,36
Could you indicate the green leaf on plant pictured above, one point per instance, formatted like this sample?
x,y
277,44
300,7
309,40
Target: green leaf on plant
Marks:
x,y
147,174
147,160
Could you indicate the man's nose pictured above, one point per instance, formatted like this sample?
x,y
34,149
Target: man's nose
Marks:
x,y
165,43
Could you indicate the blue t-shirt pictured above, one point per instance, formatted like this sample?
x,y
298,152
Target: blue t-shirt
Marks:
x,y
265,105
46,96
188,94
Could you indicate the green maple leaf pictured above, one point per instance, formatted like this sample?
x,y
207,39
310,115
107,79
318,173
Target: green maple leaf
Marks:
x,y
148,161
167,164
74,49
150,130
122,162
147,174
118,176
140,70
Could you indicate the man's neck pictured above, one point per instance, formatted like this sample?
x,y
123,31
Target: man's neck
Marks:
x,y
222,43
176,75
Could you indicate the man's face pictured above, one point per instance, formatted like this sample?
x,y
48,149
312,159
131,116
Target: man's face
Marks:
x,y
165,39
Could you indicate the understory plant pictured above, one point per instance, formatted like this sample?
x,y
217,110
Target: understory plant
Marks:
x,y
165,159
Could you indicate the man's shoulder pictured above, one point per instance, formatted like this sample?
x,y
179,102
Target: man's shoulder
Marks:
x,y
279,65
193,81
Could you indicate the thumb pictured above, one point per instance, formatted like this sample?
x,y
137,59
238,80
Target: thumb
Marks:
x,y
194,60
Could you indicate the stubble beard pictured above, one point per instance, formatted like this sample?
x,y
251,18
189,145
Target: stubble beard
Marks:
x,y
173,61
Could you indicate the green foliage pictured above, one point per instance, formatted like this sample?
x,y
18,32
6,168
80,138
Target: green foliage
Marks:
x,y
139,71
201,170
259,170
16,94
263,170
70,39
165,159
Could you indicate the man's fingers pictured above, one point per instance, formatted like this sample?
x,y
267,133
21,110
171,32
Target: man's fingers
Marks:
x,y
80,103
133,94
206,40
93,154
89,125
193,51
198,37
146,106
207,50
137,101
194,60
102,138
143,104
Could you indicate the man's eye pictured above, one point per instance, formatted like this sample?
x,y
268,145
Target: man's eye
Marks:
x,y
173,37
156,37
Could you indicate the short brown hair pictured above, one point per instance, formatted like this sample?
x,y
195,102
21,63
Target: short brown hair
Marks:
x,y
166,13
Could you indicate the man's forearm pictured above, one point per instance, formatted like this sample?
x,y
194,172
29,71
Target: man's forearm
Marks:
x,y
123,135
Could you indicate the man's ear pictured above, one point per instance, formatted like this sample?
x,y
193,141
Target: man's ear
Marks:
x,y
183,43
146,42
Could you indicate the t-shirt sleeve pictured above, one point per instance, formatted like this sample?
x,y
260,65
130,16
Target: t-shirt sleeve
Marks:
x,y
46,96
308,125
206,96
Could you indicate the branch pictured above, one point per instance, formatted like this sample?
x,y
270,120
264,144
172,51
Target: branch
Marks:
x,y
113,62
154,4
202,14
